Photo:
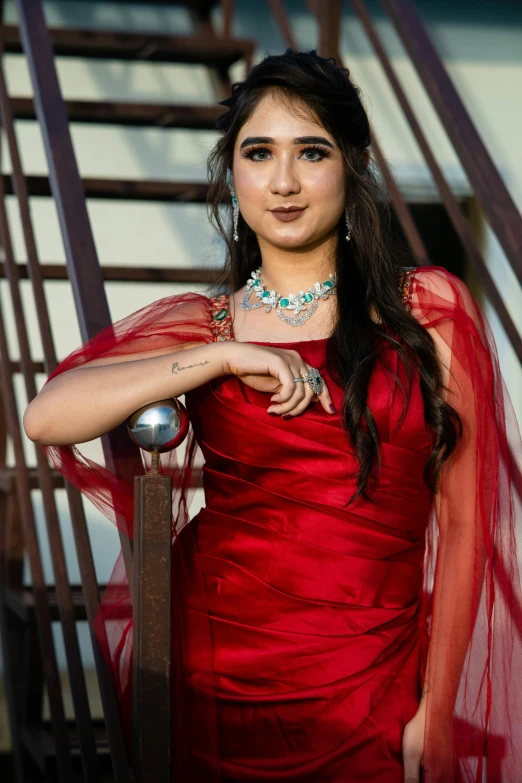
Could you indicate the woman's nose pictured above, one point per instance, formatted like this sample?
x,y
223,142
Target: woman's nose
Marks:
x,y
284,180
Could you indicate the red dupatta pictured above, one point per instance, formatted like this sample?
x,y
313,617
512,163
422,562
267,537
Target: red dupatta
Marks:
x,y
471,601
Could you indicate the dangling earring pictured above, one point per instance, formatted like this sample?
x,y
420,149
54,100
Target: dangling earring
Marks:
x,y
236,212
347,215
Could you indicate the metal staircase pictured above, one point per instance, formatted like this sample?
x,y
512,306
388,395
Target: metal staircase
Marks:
x,y
87,749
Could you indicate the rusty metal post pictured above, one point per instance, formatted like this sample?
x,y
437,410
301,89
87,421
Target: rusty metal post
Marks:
x,y
152,626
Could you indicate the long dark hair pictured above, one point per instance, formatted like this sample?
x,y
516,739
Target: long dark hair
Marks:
x,y
367,267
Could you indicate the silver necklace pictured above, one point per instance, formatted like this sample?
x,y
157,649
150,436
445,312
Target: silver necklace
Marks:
x,y
295,302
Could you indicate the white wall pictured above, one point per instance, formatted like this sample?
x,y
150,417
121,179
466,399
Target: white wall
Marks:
x,y
484,60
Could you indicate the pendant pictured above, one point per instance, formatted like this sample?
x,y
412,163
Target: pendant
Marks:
x,y
295,302
297,320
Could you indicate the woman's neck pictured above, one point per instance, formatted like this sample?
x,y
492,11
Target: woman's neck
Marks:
x,y
290,271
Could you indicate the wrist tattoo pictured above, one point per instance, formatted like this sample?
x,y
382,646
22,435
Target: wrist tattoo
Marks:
x,y
176,368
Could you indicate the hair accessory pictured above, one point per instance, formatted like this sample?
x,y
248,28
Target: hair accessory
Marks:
x,y
347,215
236,211
296,302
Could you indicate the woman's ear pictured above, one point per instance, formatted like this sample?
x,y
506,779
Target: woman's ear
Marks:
x,y
367,156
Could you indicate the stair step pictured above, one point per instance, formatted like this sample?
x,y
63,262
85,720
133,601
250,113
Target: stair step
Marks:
x,y
20,600
201,6
197,49
128,274
8,475
122,189
135,114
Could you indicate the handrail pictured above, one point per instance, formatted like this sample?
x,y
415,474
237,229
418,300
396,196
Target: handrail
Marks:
x,y
460,223
81,257
491,193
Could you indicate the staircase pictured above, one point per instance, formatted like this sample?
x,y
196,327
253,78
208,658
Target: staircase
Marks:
x,y
88,749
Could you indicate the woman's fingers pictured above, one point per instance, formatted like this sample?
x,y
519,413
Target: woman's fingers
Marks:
x,y
295,399
291,393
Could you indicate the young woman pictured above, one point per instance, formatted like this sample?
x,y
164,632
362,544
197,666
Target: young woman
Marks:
x,y
346,597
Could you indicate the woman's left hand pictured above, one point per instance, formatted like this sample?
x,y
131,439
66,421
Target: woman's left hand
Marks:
x,y
413,745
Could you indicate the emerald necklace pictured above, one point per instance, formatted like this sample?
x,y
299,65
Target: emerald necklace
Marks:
x,y
295,302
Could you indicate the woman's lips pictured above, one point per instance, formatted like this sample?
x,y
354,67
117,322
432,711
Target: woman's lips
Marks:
x,y
286,216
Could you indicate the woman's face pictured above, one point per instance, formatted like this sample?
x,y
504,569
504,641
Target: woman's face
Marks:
x,y
282,160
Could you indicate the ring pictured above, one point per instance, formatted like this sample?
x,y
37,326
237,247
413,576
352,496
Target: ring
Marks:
x,y
299,379
313,376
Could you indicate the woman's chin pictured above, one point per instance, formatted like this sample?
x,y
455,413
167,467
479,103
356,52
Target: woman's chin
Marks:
x,y
290,241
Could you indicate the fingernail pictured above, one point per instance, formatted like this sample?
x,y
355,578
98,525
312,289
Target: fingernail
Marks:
x,y
272,413
332,408
286,416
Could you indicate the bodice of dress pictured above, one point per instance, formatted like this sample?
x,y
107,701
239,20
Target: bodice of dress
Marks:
x,y
310,596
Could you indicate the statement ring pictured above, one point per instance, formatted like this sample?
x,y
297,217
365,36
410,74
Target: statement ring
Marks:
x,y
313,376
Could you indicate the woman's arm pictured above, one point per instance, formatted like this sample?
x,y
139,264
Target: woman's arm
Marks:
x,y
84,403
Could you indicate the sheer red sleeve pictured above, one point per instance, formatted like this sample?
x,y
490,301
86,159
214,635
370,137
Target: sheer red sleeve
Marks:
x,y
472,596
177,321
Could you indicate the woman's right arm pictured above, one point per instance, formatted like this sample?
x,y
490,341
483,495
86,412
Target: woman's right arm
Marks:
x,y
84,403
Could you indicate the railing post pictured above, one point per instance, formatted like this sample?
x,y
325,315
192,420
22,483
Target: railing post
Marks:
x,y
152,627
156,427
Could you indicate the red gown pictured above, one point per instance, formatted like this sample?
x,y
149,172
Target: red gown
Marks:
x,y
304,623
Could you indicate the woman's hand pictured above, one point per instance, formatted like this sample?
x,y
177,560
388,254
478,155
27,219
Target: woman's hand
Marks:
x,y
272,369
413,745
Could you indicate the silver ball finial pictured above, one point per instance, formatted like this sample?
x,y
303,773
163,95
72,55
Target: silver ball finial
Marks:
x,y
159,426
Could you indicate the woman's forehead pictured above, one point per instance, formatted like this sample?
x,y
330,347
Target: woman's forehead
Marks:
x,y
282,120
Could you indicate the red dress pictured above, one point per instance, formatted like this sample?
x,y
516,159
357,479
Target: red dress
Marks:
x,y
305,623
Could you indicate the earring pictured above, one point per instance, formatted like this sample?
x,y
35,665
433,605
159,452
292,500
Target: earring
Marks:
x,y
236,212
347,215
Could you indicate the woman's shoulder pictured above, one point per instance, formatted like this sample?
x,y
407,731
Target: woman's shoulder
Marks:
x,y
434,293
435,279
211,311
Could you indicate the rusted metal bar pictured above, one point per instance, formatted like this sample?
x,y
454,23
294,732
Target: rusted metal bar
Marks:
x,y
125,190
82,262
227,12
400,206
152,628
135,274
491,193
455,214
136,114
204,47
329,26
279,13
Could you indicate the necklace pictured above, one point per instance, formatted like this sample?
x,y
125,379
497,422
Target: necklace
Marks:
x,y
296,302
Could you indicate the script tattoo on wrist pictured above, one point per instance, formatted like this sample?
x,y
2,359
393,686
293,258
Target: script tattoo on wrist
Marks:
x,y
177,369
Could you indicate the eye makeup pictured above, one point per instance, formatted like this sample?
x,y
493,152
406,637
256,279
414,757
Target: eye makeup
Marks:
x,y
250,152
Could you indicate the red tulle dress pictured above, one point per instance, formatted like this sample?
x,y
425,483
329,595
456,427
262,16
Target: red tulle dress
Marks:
x,y
302,626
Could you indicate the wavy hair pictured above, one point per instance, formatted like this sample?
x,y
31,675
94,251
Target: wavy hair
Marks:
x,y
367,267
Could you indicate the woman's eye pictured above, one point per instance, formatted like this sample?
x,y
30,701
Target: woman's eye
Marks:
x,y
314,151
256,152
316,154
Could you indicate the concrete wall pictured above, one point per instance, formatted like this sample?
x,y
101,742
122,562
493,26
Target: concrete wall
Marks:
x,y
480,46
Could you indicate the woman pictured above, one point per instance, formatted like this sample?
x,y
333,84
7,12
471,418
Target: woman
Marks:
x,y
346,594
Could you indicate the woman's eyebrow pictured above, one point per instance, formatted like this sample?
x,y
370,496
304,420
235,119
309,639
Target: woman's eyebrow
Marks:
x,y
299,140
